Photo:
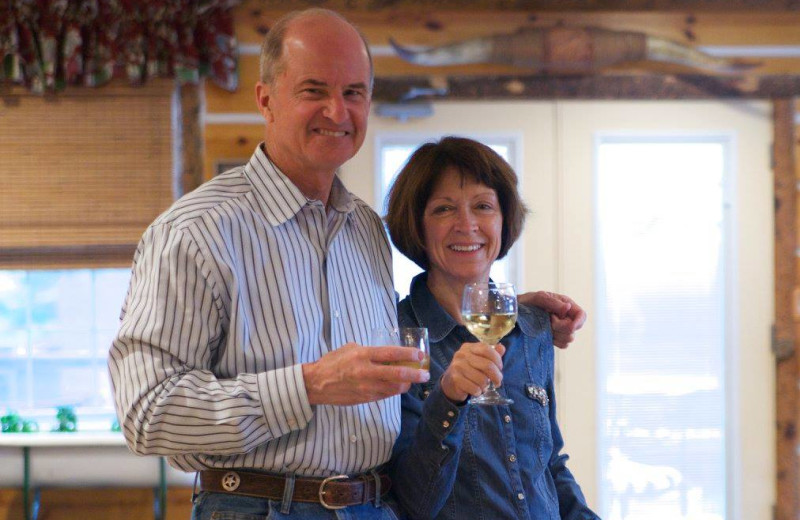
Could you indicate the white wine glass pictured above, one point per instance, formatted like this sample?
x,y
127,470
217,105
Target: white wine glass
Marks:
x,y
489,311
415,337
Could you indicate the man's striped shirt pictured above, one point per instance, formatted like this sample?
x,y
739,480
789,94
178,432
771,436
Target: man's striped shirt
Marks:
x,y
232,289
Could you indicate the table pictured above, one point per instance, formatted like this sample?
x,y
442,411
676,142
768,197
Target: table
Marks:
x,y
27,441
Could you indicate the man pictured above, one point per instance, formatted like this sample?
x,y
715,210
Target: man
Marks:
x,y
240,353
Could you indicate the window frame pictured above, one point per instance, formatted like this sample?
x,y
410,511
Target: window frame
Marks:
x,y
95,415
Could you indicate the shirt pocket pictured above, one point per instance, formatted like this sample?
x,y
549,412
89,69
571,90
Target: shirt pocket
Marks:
x,y
537,402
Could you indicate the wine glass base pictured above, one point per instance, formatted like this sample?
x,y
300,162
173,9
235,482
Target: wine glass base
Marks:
x,y
491,400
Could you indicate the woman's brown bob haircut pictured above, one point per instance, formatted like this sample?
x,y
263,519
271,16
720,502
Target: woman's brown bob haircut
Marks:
x,y
415,182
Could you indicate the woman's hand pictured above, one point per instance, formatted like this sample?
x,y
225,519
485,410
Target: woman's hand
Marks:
x,y
473,365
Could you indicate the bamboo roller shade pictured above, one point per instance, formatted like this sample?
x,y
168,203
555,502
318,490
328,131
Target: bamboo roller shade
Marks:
x,y
88,168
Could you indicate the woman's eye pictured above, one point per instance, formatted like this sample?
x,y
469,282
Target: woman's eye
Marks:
x,y
441,209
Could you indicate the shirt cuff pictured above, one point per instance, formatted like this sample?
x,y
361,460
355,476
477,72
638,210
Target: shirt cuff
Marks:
x,y
284,400
441,415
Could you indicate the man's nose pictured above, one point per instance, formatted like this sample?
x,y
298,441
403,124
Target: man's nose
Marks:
x,y
335,108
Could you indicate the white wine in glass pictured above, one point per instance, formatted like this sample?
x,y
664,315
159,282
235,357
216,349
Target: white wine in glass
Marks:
x,y
489,311
415,337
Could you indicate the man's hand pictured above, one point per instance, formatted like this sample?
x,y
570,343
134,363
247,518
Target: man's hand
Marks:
x,y
354,374
468,374
566,316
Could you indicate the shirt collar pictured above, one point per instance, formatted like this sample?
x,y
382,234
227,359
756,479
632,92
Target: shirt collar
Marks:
x,y
427,310
440,324
279,198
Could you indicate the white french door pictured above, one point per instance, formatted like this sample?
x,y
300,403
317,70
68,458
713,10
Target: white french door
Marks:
x,y
667,398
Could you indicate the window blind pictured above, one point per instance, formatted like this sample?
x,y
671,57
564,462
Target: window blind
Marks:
x,y
82,173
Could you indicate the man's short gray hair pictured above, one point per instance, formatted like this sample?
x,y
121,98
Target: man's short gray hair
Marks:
x,y
271,62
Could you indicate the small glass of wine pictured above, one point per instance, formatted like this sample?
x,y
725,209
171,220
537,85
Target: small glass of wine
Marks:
x,y
415,337
489,311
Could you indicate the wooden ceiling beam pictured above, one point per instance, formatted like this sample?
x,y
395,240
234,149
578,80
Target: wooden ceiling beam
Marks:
x,y
348,6
591,87
439,26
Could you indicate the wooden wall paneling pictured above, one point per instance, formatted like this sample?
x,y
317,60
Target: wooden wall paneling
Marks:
x,y
230,143
244,99
96,504
786,317
190,138
179,503
11,507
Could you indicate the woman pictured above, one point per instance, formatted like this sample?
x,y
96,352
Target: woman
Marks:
x,y
454,209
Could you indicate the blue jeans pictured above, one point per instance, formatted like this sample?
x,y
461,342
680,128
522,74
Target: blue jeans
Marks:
x,y
222,506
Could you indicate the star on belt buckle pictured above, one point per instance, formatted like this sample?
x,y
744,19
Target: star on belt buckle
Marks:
x,y
230,481
322,491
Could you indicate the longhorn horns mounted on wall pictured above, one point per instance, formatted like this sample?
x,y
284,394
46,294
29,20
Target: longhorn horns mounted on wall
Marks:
x,y
569,50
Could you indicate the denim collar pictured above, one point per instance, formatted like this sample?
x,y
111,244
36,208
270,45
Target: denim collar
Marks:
x,y
428,313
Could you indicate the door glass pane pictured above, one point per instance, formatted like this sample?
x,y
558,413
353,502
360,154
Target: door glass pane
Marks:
x,y
661,329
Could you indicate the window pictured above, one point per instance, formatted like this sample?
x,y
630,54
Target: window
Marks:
x,y
393,152
74,201
661,329
56,327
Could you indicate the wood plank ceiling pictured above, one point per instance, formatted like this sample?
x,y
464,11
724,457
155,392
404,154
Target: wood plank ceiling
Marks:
x,y
763,32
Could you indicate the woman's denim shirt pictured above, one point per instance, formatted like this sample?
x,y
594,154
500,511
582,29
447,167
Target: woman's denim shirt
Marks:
x,y
483,462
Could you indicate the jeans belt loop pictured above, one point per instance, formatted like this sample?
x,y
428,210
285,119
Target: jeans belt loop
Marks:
x,y
322,491
288,493
377,478
194,486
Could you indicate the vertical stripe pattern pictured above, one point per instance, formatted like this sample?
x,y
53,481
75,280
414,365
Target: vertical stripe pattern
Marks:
x,y
232,290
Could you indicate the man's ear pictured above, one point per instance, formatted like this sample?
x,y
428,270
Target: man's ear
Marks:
x,y
263,92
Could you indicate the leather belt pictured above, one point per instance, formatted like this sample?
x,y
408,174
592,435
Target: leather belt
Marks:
x,y
333,492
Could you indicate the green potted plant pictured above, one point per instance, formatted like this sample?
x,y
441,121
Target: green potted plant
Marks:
x,y
12,422
67,419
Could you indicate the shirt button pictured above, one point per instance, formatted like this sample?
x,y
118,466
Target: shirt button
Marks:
x,y
507,418
512,458
336,314
521,496
445,424
451,414
353,438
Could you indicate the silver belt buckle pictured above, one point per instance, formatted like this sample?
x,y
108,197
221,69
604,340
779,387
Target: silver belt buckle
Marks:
x,y
322,491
